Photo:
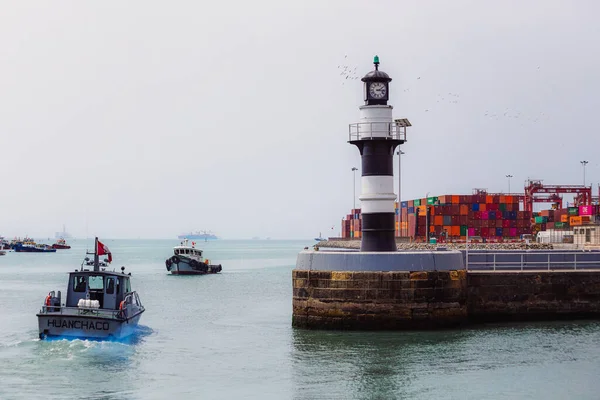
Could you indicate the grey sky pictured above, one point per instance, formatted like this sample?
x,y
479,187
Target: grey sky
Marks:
x,y
147,119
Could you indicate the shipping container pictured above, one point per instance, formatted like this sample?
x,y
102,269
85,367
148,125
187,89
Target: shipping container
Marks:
x,y
575,221
573,211
585,210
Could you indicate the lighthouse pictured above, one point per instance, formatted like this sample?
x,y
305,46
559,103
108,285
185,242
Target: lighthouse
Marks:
x,y
376,136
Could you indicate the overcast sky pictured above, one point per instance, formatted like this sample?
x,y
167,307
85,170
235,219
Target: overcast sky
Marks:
x,y
147,119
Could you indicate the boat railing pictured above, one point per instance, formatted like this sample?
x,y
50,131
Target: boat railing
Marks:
x,y
522,261
83,311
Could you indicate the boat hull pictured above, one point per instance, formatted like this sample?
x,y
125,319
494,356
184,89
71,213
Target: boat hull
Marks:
x,y
88,327
33,250
60,246
184,268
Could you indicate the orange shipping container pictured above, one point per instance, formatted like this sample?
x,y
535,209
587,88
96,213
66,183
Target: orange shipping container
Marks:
x,y
438,220
574,221
464,209
564,218
509,199
432,229
489,200
447,229
482,207
455,199
503,199
455,230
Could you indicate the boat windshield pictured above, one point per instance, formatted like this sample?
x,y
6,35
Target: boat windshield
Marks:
x,y
96,282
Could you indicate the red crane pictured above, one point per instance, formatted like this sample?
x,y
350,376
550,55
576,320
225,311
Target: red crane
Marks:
x,y
533,187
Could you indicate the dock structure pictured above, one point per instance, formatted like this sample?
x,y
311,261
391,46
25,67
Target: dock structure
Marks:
x,y
380,287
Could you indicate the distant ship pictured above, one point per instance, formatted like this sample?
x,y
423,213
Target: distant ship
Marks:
x,y
62,235
198,236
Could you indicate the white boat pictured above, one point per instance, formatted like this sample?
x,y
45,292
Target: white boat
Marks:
x,y
188,260
320,238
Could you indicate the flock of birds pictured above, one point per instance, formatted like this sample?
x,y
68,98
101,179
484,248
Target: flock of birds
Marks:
x,y
348,72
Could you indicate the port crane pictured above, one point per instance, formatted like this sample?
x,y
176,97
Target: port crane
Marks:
x,y
535,187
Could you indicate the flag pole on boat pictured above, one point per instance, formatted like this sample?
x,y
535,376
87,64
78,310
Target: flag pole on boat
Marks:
x,y
96,266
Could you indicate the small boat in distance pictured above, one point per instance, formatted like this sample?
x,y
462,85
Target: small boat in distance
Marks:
x,y
188,260
61,244
99,304
32,247
320,238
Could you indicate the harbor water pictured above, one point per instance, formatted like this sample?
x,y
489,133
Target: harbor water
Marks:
x,y
229,336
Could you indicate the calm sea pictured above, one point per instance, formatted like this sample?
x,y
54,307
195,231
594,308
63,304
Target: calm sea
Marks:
x,y
229,336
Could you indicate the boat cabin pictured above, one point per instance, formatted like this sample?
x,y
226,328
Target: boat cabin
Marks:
x,y
186,250
108,288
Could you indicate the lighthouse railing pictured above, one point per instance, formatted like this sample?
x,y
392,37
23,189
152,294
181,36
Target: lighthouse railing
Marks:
x,y
376,130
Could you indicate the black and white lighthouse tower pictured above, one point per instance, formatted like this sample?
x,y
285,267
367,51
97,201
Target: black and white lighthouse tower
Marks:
x,y
377,135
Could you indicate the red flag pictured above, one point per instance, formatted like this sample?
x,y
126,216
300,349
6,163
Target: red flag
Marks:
x,y
103,249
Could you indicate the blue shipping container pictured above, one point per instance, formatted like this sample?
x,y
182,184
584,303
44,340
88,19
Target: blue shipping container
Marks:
x,y
492,215
411,210
404,204
498,231
475,207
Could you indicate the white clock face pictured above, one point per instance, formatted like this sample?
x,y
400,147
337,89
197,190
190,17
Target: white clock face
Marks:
x,y
377,90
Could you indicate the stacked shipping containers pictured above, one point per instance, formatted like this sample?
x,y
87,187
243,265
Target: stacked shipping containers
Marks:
x,y
455,216
489,216
352,225
564,219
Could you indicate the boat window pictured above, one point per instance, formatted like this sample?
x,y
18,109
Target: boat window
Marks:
x,y
79,284
96,282
127,286
110,285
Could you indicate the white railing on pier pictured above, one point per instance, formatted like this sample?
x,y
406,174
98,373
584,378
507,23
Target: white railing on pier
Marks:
x,y
376,130
504,261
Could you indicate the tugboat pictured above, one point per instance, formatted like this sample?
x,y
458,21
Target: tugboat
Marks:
x,y
61,244
99,304
32,247
188,260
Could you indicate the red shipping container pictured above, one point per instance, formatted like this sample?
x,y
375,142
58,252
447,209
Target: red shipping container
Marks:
x,y
485,215
493,207
477,232
477,214
485,232
513,232
506,223
456,220
463,220
505,232
476,223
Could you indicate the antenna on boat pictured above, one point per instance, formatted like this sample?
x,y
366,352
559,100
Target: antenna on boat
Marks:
x,y
96,265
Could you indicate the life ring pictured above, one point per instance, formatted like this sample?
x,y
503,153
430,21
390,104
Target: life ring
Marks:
x,y
48,298
175,260
122,305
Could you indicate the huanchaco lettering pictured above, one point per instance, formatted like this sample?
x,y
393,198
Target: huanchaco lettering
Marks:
x,y
89,325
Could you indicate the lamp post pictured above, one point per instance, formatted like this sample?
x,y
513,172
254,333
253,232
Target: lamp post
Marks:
x,y
584,163
354,169
509,176
399,153
426,219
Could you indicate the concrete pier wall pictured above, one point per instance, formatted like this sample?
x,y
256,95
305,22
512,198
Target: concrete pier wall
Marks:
x,y
369,300
514,296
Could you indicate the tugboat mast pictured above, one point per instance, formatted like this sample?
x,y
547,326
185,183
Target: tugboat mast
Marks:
x,y
96,260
